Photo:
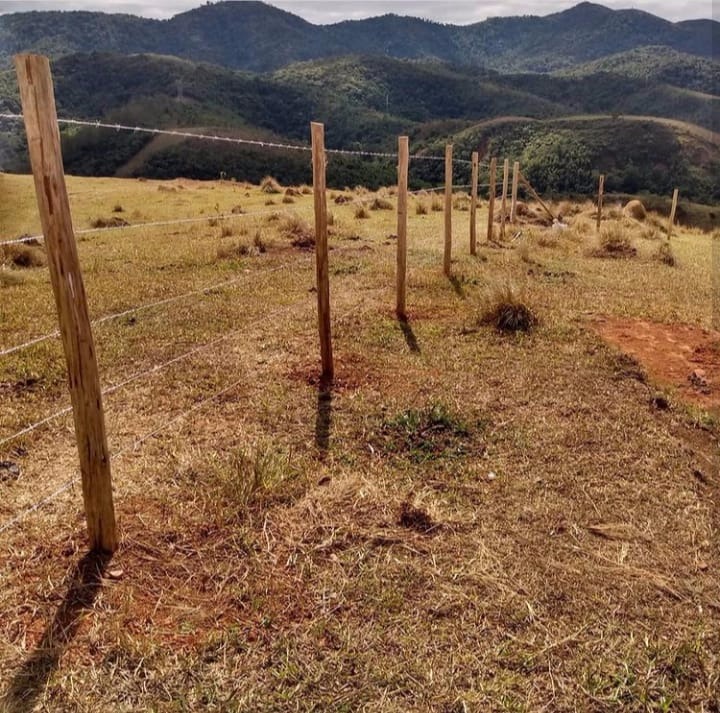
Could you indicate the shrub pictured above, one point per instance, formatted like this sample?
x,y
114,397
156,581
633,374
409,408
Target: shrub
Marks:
x,y
506,309
270,185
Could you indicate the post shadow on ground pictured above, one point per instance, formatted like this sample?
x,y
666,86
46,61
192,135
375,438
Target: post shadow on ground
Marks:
x,y
409,334
457,286
30,680
323,417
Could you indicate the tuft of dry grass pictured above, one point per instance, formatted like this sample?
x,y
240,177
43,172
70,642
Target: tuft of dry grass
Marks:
x,y
232,251
665,254
380,203
506,309
226,230
10,278
421,207
270,185
23,255
114,222
614,242
237,210
436,203
117,208
361,212
301,234
462,202
287,199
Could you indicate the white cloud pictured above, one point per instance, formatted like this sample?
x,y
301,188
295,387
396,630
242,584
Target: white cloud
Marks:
x,y
328,11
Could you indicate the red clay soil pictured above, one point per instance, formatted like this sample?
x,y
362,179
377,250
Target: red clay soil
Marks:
x,y
681,356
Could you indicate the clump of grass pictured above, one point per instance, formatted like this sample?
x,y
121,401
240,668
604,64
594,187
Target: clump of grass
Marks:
x,y
546,240
10,278
288,199
226,231
118,208
421,208
436,204
23,255
237,210
299,231
270,185
523,251
270,201
430,433
649,232
330,218
665,254
114,222
379,203
258,243
292,192
507,310
233,251
237,480
462,202
213,222
339,200
614,242
306,190
361,212
273,217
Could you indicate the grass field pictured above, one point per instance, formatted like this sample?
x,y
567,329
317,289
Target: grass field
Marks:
x,y
467,521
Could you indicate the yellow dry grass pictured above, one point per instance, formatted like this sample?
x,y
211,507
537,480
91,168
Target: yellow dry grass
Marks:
x,y
468,520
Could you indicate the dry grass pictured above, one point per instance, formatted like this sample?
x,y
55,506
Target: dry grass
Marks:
x,y
506,309
270,185
288,199
299,231
421,207
23,255
665,254
361,212
380,203
10,278
615,242
465,521
436,203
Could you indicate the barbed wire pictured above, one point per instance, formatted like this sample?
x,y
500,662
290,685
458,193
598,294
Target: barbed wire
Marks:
x,y
232,139
140,308
150,224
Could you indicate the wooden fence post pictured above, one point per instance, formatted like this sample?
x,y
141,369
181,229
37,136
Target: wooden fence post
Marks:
x,y
321,249
601,194
671,222
475,161
491,199
503,203
402,214
515,182
448,208
43,137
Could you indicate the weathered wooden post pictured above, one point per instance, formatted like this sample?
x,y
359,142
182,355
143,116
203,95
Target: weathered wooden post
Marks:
x,y
503,203
402,214
448,208
475,161
671,222
491,199
601,194
317,132
515,182
43,137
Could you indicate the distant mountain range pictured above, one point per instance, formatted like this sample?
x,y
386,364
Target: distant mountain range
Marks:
x,y
260,38
249,69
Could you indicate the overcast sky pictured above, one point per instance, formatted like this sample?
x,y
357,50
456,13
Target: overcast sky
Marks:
x,y
327,11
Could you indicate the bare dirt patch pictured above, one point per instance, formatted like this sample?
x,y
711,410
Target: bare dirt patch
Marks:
x,y
681,356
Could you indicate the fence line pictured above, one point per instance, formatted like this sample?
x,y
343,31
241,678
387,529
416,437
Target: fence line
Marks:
x,y
139,308
146,372
228,139
150,224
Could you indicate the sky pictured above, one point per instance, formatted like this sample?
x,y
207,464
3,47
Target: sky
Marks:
x,y
460,12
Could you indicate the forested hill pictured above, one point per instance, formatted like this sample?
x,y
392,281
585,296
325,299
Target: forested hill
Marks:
x,y
259,37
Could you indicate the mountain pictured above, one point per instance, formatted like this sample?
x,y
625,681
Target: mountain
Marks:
x,y
259,37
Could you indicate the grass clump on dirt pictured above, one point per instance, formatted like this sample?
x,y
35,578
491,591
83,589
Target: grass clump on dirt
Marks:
x,y
614,242
421,435
270,185
506,309
233,251
299,231
23,255
361,212
114,222
380,203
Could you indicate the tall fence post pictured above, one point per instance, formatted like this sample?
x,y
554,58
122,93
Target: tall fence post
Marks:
x,y
515,182
317,132
503,203
601,194
402,215
43,138
671,222
491,199
475,161
448,208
